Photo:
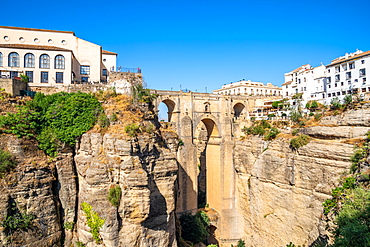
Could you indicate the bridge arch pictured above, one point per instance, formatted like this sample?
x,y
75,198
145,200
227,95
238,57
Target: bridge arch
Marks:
x,y
238,109
170,104
211,122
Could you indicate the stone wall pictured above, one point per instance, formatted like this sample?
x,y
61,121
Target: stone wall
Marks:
x,y
12,86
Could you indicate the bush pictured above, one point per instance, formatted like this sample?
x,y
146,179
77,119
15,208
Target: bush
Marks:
x,y
353,220
335,104
61,116
194,227
141,94
299,141
7,162
296,116
356,157
241,243
273,132
132,129
93,221
114,195
17,220
295,132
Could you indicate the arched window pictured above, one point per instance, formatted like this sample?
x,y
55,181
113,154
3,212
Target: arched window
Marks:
x,y
1,59
29,60
44,61
59,62
13,59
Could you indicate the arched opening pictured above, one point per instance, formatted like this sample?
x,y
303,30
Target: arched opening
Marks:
x,y
165,110
238,109
208,153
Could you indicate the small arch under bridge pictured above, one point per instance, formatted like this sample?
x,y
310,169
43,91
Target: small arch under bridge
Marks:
x,y
207,124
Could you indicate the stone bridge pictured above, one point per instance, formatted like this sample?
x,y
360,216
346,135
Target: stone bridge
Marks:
x,y
207,125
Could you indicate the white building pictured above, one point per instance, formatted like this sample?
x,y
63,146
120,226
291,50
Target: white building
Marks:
x,y
347,75
52,58
249,87
344,75
307,80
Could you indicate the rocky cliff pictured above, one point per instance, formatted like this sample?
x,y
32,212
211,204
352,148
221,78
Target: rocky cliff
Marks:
x,y
50,190
281,190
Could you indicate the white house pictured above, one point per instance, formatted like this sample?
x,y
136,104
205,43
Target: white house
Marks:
x,y
52,58
347,75
249,87
307,80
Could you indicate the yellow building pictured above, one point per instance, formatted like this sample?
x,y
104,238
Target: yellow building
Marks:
x,y
52,58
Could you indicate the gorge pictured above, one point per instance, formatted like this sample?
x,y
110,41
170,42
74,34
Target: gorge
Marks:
x,y
261,191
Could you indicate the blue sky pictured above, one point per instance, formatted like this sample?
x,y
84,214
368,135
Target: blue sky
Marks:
x,y
204,44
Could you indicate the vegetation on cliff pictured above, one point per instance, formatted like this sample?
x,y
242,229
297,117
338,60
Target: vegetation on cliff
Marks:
x,y
194,228
54,120
7,162
350,204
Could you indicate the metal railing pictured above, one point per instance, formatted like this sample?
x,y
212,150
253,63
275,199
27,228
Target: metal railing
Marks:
x,y
128,70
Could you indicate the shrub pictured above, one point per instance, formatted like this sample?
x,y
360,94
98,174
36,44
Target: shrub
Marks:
x,y
241,243
114,195
141,94
69,225
194,227
317,116
132,129
93,221
273,132
7,162
61,116
295,116
356,157
299,141
18,220
295,132
335,104
353,220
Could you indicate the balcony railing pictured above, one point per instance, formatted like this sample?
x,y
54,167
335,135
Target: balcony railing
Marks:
x,y
128,70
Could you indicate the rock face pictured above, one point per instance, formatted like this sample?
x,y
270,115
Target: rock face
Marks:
x,y
281,191
144,167
145,172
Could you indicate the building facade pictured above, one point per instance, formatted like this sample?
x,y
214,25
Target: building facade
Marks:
x,y
347,75
250,88
306,80
344,75
52,58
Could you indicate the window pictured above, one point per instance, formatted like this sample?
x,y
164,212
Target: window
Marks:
x,y
329,86
362,72
44,77
329,94
349,82
343,92
13,60
363,89
1,59
362,61
348,75
59,77
336,85
338,93
59,62
329,79
29,60
337,77
304,79
84,79
342,83
349,91
30,76
104,72
364,80
344,67
351,65
328,70
85,70
337,69
299,80
44,61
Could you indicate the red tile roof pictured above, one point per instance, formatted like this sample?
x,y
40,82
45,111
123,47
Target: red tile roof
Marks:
x,y
338,61
108,52
287,83
33,47
35,29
